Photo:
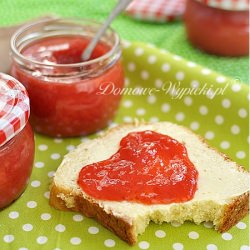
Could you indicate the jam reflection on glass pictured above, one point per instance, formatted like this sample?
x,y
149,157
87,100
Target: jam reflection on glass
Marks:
x,y
16,157
217,31
149,168
68,107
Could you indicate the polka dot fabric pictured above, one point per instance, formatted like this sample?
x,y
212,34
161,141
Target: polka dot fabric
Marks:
x,y
30,223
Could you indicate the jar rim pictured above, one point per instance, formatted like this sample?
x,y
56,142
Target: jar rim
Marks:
x,y
24,28
229,5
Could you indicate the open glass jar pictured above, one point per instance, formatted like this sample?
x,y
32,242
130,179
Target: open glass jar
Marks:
x,y
218,27
65,92
16,140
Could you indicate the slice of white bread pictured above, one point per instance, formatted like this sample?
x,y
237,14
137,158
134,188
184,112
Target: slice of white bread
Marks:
x,y
222,196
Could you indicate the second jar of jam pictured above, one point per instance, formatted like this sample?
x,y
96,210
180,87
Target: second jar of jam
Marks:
x,y
16,140
218,27
66,93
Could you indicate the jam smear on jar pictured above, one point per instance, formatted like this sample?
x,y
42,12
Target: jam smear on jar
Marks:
x,y
148,168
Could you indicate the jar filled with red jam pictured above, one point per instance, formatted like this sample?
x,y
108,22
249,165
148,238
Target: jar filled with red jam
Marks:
x,y
16,140
67,94
218,27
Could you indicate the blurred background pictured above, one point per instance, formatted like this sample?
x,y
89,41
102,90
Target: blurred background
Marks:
x,y
169,35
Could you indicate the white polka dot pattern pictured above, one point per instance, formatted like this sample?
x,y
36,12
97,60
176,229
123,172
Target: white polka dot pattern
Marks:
x,y
208,224
220,79
152,59
160,234
41,240
175,224
13,215
31,204
193,235
219,119
178,246
93,230
139,51
144,245
30,223
212,247
165,67
27,227
241,225
8,238
75,241
45,216
78,217
55,156
42,147
39,164
60,228
226,236
109,243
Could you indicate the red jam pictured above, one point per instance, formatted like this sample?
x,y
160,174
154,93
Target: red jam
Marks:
x,y
16,157
62,50
68,106
149,168
16,140
217,31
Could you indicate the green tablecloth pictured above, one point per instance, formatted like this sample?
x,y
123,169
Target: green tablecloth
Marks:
x,y
170,36
220,115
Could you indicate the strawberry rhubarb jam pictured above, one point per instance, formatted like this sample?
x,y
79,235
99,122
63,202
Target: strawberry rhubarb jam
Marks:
x,y
149,168
219,27
16,140
64,90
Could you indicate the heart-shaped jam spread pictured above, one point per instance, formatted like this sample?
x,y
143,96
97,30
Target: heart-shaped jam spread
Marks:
x,y
148,168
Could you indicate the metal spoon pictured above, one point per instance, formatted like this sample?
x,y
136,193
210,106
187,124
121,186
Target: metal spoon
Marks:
x,y
121,5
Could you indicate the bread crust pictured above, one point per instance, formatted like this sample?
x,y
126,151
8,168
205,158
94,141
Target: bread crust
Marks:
x,y
234,212
117,225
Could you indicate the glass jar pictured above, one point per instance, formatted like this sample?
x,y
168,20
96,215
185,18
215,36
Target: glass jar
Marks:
x,y
16,140
66,93
218,27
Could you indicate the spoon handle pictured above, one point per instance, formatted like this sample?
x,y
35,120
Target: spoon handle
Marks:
x,y
121,5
